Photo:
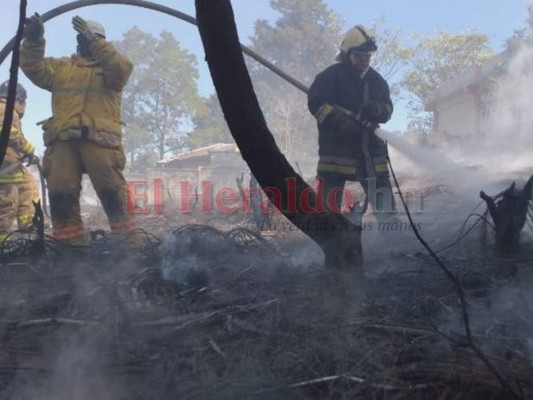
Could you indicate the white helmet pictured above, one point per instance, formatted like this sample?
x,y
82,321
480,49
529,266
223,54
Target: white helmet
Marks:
x,y
357,39
96,27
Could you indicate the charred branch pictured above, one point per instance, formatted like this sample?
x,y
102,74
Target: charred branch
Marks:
x,y
509,212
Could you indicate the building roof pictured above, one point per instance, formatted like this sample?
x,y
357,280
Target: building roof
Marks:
x,y
201,152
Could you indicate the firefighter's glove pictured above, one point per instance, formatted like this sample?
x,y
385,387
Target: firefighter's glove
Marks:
x,y
339,121
33,159
81,26
372,111
345,125
33,27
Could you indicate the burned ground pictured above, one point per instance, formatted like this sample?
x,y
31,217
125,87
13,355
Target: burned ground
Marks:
x,y
217,311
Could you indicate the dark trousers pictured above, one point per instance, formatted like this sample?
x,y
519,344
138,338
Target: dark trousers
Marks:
x,y
378,191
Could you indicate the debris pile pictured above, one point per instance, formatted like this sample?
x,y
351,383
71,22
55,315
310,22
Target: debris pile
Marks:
x,y
225,314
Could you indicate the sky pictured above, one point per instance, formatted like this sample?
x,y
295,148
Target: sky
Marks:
x,y
497,19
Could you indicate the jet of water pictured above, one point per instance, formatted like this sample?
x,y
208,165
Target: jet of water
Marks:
x,y
435,163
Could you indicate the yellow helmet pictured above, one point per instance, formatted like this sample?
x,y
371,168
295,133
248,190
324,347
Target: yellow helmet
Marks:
x,y
357,39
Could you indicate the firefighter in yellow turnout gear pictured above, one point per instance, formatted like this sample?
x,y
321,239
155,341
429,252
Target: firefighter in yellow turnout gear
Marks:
x,y
84,134
18,187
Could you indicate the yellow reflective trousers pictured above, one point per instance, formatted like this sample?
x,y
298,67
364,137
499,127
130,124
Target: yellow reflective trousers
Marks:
x,y
16,202
64,163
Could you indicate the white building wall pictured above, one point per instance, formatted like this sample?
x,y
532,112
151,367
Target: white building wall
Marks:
x,y
458,117
457,120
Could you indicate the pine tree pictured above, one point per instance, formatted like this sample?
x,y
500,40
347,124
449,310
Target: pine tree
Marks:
x,y
161,97
302,41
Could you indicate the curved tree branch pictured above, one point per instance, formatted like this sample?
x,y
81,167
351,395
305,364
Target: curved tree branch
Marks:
x,y
339,238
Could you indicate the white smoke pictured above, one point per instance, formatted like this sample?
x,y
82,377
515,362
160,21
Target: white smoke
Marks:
x,y
508,128
504,150
412,157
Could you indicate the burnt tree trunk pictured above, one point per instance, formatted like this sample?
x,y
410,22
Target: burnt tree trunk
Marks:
x,y
509,214
339,238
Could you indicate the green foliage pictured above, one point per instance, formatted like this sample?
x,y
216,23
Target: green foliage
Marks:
x,y
436,59
305,36
442,57
160,97
392,55
210,125
302,41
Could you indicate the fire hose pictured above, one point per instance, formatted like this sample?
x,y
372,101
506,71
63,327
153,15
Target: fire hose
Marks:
x,y
155,7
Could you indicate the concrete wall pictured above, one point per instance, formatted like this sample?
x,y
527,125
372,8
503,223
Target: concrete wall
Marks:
x,y
181,184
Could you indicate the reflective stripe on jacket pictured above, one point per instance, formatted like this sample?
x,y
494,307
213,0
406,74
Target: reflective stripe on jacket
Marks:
x,y
11,170
86,92
350,166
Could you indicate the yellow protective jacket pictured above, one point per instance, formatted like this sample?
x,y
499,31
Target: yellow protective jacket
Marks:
x,y
12,170
86,92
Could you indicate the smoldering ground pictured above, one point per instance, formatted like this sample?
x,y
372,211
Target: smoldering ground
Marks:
x,y
230,314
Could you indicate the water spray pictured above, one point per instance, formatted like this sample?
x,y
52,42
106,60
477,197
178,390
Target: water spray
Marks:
x,y
433,161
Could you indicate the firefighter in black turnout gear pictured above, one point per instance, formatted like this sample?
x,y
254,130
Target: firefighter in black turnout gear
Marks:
x,y
349,99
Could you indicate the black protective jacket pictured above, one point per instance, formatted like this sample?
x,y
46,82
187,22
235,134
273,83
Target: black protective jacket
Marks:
x,y
341,85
